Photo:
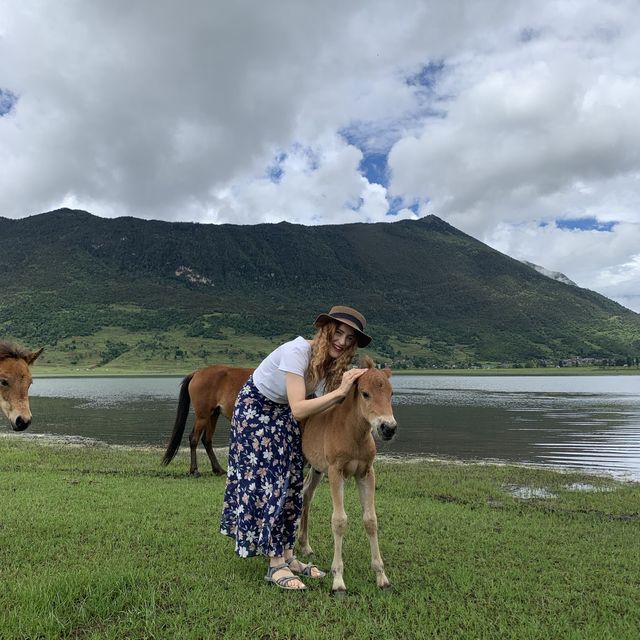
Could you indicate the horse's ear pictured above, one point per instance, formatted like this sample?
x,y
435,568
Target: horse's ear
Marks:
x,y
32,357
367,363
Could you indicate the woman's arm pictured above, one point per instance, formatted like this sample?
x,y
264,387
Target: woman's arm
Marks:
x,y
303,408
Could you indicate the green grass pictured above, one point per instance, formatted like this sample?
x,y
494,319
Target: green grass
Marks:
x,y
103,542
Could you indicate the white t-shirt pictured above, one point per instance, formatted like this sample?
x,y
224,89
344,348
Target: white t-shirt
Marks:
x,y
271,375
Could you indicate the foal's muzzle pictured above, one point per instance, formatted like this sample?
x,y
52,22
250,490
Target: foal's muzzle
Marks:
x,y
21,423
385,428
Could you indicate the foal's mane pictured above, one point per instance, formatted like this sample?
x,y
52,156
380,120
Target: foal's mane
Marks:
x,y
8,350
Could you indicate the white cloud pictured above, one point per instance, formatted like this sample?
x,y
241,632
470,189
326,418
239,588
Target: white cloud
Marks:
x,y
233,112
592,259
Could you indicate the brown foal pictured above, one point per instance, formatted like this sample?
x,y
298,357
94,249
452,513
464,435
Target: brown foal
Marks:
x,y
340,443
15,380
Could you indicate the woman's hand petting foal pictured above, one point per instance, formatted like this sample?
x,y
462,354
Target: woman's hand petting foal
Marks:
x,y
348,378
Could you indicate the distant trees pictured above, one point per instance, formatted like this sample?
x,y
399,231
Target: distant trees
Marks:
x,y
112,350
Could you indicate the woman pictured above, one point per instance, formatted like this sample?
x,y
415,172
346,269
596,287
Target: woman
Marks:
x,y
263,497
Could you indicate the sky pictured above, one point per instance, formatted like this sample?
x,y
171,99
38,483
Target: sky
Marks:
x,y
516,122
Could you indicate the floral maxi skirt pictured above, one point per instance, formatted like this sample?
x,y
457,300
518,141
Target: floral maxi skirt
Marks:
x,y
263,496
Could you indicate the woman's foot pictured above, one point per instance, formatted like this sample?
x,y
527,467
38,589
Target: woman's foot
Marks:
x,y
282,576
301,568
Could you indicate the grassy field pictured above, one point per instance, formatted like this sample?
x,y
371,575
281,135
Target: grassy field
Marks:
x,y
103,542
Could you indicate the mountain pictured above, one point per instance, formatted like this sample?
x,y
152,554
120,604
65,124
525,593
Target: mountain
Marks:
x,y
432,294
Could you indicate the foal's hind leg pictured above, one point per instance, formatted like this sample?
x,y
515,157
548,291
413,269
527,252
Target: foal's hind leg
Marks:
x,y
207,439
308,490
366,490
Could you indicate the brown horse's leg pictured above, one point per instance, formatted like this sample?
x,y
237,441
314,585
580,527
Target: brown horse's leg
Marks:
x,y
198,428
207,439
308,490
366,490
338,526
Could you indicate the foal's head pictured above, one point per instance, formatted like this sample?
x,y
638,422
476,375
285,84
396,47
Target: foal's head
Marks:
x,y
374,393
15,380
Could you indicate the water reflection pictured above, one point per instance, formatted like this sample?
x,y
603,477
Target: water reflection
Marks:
x,y
584,423
576,422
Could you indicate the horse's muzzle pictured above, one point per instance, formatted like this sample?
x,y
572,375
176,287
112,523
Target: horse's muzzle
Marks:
x,y
386,429
21,424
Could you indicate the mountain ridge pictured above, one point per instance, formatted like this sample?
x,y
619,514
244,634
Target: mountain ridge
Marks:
x,y
432,294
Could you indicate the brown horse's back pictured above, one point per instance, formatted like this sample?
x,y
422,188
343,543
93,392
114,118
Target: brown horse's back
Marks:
x,y
217,386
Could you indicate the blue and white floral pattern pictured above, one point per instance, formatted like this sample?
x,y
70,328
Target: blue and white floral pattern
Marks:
x,y
263,496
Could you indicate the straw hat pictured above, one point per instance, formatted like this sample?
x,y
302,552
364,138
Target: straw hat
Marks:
x,y
346,315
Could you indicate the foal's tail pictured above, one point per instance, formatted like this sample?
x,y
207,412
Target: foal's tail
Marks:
x,y
184,402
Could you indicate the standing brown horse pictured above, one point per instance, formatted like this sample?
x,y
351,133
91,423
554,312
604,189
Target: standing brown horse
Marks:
x,y
213,391
340,443
15,380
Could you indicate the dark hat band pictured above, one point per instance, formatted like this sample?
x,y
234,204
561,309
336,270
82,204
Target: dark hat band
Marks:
x,y
347,316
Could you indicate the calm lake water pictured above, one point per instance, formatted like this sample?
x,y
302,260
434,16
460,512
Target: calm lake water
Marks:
x,y
584,422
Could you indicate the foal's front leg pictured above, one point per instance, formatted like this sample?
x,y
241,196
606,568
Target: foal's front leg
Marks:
x,y
338,526
367,491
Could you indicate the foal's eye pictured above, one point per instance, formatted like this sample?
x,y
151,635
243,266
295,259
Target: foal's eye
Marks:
x,y
4,383
365,395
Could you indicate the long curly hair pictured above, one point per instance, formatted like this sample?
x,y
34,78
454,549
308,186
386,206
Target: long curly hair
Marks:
x,y
321,365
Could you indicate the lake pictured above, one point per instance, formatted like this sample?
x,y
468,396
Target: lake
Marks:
x,y
581,422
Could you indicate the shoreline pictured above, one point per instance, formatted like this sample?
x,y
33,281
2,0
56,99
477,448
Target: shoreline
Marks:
x,y
70,441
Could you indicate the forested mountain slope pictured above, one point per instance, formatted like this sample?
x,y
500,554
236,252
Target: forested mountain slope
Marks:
x,y
432,294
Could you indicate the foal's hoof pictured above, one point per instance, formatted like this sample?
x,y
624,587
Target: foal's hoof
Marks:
x,y
196,474
387,588
338,594
220,472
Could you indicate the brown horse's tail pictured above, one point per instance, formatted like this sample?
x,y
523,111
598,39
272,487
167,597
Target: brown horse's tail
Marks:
x,y
184,402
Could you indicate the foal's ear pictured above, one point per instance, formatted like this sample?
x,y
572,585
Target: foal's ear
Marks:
x,y
367,363
33,356
387,372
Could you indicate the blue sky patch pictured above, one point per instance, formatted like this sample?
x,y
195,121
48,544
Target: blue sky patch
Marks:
x,y
275,170
584,224
428,76
373,167
7,101
396,203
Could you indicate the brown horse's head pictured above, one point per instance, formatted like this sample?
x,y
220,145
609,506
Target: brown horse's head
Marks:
x,y
15,380
374,393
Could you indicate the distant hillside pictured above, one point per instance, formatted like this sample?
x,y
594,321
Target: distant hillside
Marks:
x,y
126,288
